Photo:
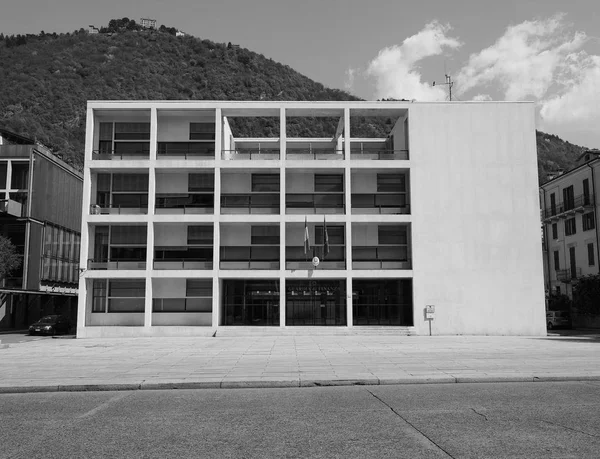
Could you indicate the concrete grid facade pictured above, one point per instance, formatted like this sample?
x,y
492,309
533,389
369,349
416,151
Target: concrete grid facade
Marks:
x,y
190,227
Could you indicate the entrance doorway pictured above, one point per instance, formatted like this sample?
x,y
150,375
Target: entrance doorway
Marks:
x,y
315,302
250,302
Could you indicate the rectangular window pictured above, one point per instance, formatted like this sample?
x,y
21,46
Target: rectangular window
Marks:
x,y
591,260
268,235
556,260
391,183
20,176
201,182
329,183
200,235
198,287
588,221
392,235
106,131
568,198
3,172
99,289
130,182
202,131
553,203
132,131
586,192
335,234
570,226
265,182
126,295
128,235
554,231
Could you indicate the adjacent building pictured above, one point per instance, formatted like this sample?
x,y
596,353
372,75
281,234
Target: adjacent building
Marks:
x,y
40,212
200,216
570,224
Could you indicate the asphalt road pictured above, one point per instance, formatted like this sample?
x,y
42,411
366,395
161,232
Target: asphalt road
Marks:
x,y
542,420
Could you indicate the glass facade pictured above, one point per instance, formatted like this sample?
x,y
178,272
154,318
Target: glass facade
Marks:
x,y
60,259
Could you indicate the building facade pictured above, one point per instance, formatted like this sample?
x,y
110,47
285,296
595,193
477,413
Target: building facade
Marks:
x,y
570,225
200,216
40,212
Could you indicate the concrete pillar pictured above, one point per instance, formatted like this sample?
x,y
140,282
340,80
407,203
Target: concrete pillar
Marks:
x,y
216,285
84,244
153,133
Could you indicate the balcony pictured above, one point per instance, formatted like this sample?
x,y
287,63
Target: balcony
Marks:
x,y
187,304
185,203
257,256
185,150
250,153
116,265
563,210
10,207
113,209
379,203
379,154
300,154
295,258
315,203
183,257
387,257
134,153
568,275
250,203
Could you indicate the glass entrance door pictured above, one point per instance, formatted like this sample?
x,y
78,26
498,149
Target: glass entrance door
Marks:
x,y
315,302
250,302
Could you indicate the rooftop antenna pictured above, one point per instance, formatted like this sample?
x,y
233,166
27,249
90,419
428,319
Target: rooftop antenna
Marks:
x,y
448,83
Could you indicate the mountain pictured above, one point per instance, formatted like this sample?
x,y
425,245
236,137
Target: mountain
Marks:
x,y
46,80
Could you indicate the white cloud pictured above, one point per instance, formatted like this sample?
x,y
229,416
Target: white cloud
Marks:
x,y
395,71
575,111
525,60
482,97
349,81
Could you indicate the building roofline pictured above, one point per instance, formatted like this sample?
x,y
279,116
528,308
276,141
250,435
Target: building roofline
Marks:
x,y
569,172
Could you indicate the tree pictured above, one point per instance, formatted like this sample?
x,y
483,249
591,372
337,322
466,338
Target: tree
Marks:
x,y
10,259
586,295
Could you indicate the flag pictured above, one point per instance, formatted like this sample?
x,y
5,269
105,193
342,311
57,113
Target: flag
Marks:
x,y
325,238
306,238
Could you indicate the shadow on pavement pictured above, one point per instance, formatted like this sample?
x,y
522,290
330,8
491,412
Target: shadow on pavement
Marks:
x,y
588,335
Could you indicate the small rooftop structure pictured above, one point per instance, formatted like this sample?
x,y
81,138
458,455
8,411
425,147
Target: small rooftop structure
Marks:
x,y
148,23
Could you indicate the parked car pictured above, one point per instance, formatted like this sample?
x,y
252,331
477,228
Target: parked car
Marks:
x,y
50,325
556,319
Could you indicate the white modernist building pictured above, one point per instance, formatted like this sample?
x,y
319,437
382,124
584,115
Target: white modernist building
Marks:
x,y
201,216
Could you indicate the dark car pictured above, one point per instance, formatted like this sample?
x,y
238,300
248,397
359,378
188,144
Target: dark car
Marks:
x,y
50,325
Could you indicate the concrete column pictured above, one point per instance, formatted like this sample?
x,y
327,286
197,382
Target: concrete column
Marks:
x,y
282,134
349,300
148,302
218,134
282,300
84,246
216,292
89,136
153,133
347,134
216,298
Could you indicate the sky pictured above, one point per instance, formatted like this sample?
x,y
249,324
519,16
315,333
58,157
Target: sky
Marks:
x,y
546,51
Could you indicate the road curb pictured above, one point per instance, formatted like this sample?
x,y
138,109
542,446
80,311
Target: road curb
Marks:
x,y
272,384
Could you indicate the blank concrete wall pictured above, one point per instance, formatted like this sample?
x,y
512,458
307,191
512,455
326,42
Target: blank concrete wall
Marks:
x,y
476,226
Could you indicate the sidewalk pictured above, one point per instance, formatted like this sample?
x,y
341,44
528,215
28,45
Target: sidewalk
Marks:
x,y
292,361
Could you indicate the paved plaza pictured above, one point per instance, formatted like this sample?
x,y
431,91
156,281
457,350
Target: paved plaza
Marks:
x,y
292,361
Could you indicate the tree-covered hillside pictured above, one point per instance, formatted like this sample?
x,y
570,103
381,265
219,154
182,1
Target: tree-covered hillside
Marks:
x,y
46,80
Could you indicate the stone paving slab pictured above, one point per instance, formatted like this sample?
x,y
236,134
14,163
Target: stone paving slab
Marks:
x,y
292,361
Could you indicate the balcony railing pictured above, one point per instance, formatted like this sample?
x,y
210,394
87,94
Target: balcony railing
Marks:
x,y
332,203
380,203
102,155
186,150
121,264
184,203
295,258
250,203
248,153
379,154
96,209
568,275
314,153
263,256
579,204
387,257
183,257
11,207
188,304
